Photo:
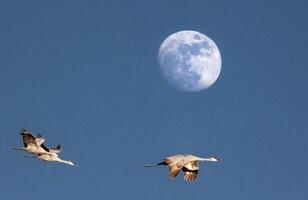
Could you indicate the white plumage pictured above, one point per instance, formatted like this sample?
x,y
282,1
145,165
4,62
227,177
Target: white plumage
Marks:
x,y
189,164
35,145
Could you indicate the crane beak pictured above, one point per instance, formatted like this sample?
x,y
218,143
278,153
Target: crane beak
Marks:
x,y
216,159
73,164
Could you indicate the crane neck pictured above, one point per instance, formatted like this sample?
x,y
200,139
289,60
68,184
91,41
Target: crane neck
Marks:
x,y
209,159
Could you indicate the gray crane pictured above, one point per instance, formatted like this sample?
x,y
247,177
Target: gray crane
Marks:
x,y
189,164
35,145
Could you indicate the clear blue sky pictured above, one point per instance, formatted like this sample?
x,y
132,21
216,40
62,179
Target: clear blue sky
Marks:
x,y
85,74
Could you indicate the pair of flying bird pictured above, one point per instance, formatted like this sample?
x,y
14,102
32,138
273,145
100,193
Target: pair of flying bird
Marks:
x,y
189,164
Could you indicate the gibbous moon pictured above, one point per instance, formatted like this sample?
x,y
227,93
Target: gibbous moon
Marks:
x,y
189,60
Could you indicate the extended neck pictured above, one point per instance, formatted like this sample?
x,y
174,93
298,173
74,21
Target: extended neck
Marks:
x,y
210,159
67,162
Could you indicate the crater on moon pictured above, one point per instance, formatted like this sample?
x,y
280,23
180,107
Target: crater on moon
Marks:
x,y
189,60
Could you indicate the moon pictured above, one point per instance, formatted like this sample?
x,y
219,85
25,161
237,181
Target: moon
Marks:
x,y
189,60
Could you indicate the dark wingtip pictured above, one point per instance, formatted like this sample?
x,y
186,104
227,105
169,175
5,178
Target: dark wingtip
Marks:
x,y
23,131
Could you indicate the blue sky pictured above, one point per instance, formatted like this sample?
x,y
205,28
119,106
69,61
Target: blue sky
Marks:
x,y
85,74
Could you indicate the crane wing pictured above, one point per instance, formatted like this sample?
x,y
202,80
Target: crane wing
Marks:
x,y
27,137
39,139
190,175
191,170
45,147
174,168
173,171
56,149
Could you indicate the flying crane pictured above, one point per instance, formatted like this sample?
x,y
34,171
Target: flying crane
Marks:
x,y
35,145
189,164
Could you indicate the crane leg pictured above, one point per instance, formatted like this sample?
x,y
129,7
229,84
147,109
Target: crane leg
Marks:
x,y
16,148
30,156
